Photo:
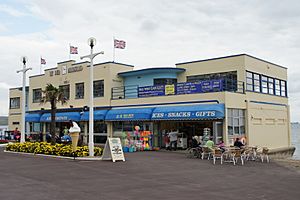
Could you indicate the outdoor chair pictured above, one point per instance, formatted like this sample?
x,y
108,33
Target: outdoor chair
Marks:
x,y
263,154
237,155
206,152
217,154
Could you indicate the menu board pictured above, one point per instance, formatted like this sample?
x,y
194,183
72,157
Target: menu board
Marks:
x,y
113,150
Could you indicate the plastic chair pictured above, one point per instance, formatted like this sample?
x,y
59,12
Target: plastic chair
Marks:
x,y
217,154
206,151
237,154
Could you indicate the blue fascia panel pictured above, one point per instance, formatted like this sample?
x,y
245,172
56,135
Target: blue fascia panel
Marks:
x,y
98,115
130,114
195,112
61,117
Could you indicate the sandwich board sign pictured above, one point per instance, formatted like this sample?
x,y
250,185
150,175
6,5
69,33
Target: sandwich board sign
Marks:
x,y
113,150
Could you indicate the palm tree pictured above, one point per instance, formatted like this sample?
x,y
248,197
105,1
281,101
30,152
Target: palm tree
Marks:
x,y
53,95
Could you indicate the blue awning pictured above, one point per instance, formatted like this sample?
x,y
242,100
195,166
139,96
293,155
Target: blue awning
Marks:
x,y
195,112
61,116
98,115
129,114
32,117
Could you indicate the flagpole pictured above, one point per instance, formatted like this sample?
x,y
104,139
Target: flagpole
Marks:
x,y
69,51
41,65
114,48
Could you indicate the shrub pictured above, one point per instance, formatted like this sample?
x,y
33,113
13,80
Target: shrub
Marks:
x,y
49,149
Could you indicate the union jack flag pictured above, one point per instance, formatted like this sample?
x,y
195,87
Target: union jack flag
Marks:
x,y
119,44
73,50
43,61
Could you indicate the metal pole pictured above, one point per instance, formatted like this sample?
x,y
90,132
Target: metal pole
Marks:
x,y
23,103
91,117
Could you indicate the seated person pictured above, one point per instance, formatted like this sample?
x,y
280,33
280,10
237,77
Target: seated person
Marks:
x,y
221,145
210,144
194,143
238,143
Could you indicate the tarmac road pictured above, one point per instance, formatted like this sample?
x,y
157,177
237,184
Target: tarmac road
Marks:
x,y
144,175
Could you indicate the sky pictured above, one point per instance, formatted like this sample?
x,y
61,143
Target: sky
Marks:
x,y
158,33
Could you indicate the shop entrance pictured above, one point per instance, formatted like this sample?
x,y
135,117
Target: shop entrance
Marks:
x,y
187,129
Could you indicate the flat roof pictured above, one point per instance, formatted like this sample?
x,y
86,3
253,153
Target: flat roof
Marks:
x,y
230,56
112,62
151,70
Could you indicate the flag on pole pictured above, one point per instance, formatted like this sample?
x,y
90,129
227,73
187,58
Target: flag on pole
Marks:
x,y
73,50
43,61
119,44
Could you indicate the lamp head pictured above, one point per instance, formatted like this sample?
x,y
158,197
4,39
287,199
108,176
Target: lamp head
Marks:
x,y
92,42
24,59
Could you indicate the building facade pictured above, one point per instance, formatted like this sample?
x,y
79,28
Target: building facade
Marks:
x,y
225,98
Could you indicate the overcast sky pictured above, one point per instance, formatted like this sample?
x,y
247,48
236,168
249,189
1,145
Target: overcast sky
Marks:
x,y
157,32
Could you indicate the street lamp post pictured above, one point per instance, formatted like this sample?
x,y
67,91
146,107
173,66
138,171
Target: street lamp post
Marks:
x,y
91,56
24,70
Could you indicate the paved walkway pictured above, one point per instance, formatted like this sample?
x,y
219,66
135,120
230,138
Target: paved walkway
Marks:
x,y
145,175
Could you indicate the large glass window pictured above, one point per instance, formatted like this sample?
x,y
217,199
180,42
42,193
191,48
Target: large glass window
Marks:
x,y
66,91
36,95
236,122
14,103
264,84
99,88
277,87
79,90
271,85
100,127
249,80
165,81
256,82
283,88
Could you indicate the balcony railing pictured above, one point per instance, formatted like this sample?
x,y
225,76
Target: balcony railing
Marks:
x,y
134,91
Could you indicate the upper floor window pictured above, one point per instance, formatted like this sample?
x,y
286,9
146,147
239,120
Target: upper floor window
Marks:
x,y
66,91
79,90
165,81
36,95
256,82
283,88
277,87
271,85
267,85
14,103
249,81
99,88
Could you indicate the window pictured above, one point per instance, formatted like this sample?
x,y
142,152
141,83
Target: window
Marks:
x,y
66,91
36,95
249,80
283,88
14,103
99,88
277,87
236,122
165,81
100,127
256,82
264,84
271,85
79,90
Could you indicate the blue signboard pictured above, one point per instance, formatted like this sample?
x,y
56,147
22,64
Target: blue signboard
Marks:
x,y
188,88
149,91
182,88
204,111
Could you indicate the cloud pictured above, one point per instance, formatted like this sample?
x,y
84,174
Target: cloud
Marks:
x,y
11,11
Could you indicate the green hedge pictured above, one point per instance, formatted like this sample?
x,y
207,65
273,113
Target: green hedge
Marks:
x,y
48,149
